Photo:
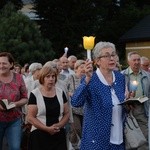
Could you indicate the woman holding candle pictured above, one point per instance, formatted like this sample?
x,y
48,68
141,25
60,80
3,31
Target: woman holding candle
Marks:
x,y
100,92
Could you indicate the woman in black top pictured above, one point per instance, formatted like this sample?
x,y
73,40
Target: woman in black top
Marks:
x,y
48,113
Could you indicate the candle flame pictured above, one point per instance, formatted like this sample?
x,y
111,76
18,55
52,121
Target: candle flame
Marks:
x,y
134,82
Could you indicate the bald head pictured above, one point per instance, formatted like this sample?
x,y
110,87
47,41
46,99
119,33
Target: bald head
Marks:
x,y
64,62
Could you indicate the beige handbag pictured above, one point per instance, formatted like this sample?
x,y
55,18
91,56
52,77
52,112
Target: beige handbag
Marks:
x,y
134,137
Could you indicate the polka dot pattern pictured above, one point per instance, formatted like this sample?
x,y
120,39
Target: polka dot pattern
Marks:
x,y
96,98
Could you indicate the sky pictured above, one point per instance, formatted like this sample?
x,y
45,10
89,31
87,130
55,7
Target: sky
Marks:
x,y
28,11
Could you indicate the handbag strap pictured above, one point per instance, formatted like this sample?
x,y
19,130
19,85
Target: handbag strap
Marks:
x,y
73,81
132,118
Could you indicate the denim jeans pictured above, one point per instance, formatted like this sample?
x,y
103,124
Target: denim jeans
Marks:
x,y
12,131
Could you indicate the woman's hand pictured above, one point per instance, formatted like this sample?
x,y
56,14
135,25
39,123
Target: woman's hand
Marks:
x,y
88,70
70,94
53,129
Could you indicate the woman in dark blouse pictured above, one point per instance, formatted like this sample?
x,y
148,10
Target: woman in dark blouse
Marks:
x,y
48,113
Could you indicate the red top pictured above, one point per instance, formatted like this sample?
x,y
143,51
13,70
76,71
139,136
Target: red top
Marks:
x,y
13,91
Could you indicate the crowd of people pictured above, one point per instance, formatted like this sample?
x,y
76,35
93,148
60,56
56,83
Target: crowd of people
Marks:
x,y
70,103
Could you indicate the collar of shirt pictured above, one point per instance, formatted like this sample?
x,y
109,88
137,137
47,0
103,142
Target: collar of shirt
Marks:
x,y
101,77
130,71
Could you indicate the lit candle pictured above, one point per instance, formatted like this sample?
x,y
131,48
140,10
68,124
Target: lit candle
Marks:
x,y
66,49
133,85
88,43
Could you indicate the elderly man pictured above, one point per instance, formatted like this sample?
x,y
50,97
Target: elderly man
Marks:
x,y
145,63
135,73
66,71
72,60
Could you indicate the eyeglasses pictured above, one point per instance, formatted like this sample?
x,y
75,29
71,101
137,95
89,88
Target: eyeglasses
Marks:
x,y
108,56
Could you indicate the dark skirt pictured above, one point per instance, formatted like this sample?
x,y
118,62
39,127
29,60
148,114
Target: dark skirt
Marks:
x,y
43,140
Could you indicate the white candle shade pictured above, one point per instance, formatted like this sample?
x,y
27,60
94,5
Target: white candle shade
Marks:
x,y
66,49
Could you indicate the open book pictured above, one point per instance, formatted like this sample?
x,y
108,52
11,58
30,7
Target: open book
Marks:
x,y
6,104
135,100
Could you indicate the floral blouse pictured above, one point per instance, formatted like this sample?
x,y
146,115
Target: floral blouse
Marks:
x,y
13,91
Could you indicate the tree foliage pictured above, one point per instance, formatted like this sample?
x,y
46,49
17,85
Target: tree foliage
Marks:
x,y
21,37
65,22
120,20
17,3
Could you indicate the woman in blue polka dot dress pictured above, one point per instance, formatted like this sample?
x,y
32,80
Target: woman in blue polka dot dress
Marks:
x,y
100,92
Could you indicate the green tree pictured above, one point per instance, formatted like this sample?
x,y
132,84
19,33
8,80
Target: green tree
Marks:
x,y
65,22
17,3
21,37
124,18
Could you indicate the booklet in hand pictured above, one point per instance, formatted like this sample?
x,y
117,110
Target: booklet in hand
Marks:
x,y
6,104
135,100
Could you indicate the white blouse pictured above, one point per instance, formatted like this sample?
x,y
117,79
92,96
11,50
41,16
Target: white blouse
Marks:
x,y
116,136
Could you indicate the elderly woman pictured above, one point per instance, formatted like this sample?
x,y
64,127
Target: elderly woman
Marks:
x,y
32,81
48,113
100,92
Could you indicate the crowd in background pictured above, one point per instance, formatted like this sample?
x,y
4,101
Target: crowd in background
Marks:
x,y
70,103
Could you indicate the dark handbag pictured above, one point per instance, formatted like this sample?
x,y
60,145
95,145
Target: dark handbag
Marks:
x,y
134,137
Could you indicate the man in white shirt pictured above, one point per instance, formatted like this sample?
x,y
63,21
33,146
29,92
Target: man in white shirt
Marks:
x,y
72,60
65,67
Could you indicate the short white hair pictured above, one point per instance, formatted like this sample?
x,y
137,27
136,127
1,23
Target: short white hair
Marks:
x,y
72,57
143,59
51,64
78,63
97,51
131,53
35,66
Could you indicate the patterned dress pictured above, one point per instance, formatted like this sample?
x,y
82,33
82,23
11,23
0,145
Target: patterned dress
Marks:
x,y
97,101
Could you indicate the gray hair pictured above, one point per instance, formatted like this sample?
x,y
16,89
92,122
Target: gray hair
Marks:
x,y
131,53
97,51
79,63
72,57
35,66
51,64
143,59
